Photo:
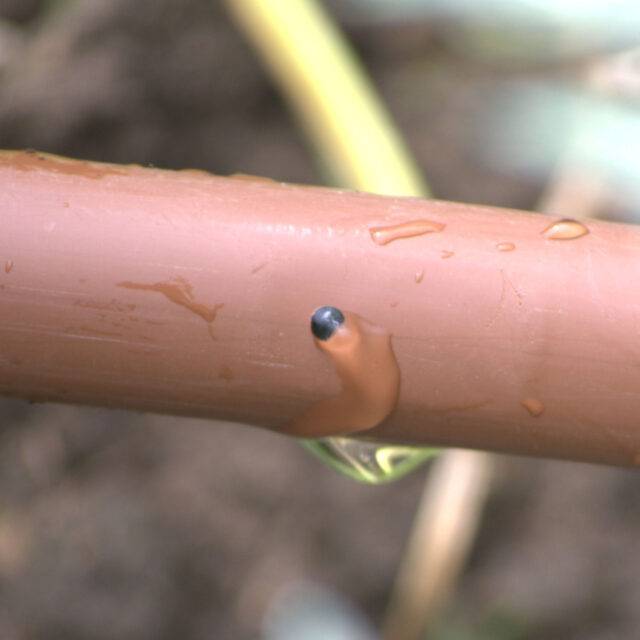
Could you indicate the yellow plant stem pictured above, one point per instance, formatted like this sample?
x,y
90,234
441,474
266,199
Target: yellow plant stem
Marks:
x,y
330,95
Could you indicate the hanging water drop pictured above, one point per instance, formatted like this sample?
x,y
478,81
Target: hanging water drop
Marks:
x,y
368,462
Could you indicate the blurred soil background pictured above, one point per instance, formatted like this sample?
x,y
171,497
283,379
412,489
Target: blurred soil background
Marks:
x,y
116,525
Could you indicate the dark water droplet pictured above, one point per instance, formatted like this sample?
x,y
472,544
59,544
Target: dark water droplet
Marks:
x,y
447,254
325,321
419,277
565,229
8,266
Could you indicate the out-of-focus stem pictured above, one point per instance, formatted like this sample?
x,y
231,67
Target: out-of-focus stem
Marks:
x,y
330,95
435,555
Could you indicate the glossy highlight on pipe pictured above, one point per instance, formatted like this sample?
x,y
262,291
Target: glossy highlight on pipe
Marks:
x,y
363,358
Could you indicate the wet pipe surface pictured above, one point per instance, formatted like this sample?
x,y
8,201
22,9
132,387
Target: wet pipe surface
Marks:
x,y
382,235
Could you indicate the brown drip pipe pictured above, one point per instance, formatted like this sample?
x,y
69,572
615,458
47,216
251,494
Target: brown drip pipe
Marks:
x,y
190,294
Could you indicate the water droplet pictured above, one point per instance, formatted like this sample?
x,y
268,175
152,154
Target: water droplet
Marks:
x,y
180,292
393,305
419,277
226,374
505,246
8,266
446,254
384,235
368,462
565,229
533,406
